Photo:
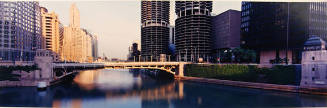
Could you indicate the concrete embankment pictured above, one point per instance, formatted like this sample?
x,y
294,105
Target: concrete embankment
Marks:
x,y
286,88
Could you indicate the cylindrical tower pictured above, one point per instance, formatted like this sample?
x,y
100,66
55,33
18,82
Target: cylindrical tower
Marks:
x,y
154,29
193,30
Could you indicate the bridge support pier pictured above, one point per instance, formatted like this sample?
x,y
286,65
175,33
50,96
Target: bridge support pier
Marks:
x,y
180,72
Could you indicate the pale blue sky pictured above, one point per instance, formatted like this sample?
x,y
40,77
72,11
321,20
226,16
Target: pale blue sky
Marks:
x,y
117,23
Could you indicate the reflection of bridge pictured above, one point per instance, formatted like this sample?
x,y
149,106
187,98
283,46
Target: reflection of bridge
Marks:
x,y
175,68
168,92
171,91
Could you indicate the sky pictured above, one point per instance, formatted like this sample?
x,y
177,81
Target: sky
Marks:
x,y
116,23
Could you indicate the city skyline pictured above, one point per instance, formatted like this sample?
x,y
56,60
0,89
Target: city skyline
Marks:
x,y
114,24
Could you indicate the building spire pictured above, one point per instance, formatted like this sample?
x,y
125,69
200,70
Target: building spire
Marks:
x,y
74,16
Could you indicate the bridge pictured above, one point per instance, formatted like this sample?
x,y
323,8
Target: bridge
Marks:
x,y
49,70
176,68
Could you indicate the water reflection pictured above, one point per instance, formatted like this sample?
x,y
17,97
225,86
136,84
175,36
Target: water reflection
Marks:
x,y
123,89
110,80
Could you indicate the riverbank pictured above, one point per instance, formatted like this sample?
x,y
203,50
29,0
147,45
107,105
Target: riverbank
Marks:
x,y
277,74
265,86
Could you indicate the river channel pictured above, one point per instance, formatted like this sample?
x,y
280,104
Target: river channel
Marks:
x,y
124,89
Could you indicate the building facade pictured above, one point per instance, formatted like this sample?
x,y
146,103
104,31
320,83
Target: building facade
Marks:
x,y
20,30
77,42
314,63
277,30
226,30
134,53
193,30
50,31
154,28
95,54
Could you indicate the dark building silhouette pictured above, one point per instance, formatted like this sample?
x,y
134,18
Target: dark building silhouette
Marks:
x,y
134,53
155,29
193,30
265,25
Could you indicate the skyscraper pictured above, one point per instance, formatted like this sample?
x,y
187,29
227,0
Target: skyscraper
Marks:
x,y
193,30
74,16
20,30
77,42
50,31
154,28
271,28
95,47
226,30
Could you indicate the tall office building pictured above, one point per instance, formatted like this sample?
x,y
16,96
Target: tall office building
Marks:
x,y
226,30
95,47
154,28
77,42
50,31
193,30
20,30
271,28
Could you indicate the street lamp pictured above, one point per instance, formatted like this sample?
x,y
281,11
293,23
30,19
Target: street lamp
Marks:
x,y
168,58
139,58
288,18
134,58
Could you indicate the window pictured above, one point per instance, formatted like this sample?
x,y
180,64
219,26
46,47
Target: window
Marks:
x,y
313,58
313,69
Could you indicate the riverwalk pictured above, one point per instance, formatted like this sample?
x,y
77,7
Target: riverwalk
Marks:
x,y
265,86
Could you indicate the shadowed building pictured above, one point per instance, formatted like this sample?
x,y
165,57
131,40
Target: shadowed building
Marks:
x,y
226,31
193,30
265,28
20,30
154,28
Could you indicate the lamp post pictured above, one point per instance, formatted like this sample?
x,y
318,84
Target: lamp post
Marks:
x,y
139,58
168,58
288,20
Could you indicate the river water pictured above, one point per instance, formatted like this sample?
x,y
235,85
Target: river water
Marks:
x,y
124,89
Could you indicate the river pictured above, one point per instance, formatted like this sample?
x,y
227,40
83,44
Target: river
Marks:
x,y
124,89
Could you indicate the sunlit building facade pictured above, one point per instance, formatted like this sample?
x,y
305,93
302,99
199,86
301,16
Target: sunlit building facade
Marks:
x,y
50,31
20,30
77,42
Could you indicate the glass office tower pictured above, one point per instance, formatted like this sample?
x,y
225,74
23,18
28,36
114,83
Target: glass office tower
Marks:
x,y
20,32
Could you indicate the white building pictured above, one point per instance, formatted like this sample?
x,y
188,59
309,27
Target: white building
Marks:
x,y
314,63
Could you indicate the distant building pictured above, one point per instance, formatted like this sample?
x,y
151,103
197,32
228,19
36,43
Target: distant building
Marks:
x,y
51,31
95,54
20,30
77,42
154,28
314,63
265,28
134,52
193,30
